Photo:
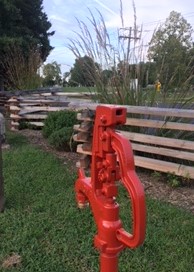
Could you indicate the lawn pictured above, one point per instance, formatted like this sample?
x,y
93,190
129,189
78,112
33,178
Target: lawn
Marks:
x,y
42,224
169,98
79,89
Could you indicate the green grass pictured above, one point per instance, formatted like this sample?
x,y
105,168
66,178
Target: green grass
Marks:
x,y
79,89
42,224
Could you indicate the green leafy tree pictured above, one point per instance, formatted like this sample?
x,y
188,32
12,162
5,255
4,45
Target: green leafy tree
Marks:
x,y
106,76
83,72
51,74
147,73
23,24
66,76
170,49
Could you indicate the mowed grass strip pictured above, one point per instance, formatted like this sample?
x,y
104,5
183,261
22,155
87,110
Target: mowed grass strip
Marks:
x,y
43,226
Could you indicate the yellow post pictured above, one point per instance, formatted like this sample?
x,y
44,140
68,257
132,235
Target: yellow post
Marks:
x,y
158,85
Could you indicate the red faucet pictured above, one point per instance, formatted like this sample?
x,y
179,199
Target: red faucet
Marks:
x,y
112,160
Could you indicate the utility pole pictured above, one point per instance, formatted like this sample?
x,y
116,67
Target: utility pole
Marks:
x,y
129,37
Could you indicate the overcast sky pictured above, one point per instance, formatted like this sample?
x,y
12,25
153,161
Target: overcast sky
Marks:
x,y
62,14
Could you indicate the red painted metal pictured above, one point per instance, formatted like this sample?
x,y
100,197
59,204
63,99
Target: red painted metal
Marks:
x,y
112,160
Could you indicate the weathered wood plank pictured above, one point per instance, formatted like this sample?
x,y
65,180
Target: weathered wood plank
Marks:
x,y
38,124
74,94
47,94
14,108
15,124
60,103
84,127
154,164
149,139
84,162
166,167
15,116
24,112
35,116
82,151
152,150
81,118
81,137
28,116
179,154
44,108
183,113
159,124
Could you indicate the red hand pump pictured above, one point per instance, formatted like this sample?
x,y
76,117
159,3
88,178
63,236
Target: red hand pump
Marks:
x,y
112,160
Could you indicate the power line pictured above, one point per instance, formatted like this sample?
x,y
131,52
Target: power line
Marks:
x,y
190,14
129,38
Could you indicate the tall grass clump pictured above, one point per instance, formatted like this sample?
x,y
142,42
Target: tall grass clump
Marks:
x,y
119,62
123,72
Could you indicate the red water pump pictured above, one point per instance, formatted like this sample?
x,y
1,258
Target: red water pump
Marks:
x,y
112,161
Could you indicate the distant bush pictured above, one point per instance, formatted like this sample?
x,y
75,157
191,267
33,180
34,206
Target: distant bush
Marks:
x,y
58,128
62,139
57,120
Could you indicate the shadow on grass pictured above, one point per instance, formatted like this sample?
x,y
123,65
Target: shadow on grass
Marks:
x,y
16,140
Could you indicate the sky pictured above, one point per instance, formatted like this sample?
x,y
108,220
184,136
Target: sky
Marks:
x,y
63,13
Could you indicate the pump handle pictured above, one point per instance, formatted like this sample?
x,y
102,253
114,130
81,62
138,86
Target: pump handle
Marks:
x,y
131,182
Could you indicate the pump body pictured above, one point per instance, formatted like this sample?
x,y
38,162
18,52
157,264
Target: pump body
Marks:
x,y
112,161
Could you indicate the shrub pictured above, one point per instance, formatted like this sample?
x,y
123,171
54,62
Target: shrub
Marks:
x,y
58,120
61,139
58,128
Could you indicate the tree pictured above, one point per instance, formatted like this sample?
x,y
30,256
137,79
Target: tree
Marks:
x,y
25,25
21,72
51,74
83,72
170,49
147,73
65,79
106,76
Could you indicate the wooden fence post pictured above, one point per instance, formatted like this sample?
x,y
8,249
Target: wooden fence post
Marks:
x,y
14,107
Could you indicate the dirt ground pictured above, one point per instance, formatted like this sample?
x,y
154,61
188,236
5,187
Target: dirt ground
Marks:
x,y
156,187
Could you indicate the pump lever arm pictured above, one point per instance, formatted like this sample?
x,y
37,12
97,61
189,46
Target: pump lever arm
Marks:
x,y
130,180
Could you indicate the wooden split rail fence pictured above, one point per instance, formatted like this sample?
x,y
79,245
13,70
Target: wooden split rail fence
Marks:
x,y
34,109
145,125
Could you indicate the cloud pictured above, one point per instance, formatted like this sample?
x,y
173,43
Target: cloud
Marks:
x,y
58,18
105,7
62,56
62,15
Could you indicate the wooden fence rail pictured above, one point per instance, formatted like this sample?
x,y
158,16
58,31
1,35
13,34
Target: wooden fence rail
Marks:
x,y
34,109
146,127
